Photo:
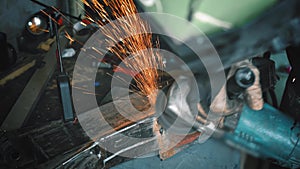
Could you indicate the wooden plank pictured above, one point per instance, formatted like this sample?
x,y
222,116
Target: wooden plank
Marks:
x,y
17,72
31,93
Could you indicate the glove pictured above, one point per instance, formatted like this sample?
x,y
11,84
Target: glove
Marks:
x,y
224,106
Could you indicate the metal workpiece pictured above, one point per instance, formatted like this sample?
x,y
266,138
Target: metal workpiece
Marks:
x,y
89,157
181,105
267,133
134,141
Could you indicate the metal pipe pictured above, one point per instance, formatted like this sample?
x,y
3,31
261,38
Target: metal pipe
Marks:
x,y
61,67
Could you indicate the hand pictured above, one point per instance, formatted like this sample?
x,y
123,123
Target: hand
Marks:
x,y
224,106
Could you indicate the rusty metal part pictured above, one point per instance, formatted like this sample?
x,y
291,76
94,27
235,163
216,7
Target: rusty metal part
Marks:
x,y
171,143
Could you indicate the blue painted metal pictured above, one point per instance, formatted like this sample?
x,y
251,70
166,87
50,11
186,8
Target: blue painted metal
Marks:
x,y
268,133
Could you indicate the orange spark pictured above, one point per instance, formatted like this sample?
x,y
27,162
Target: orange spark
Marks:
x,y
65,18
45,13
139,46
69,37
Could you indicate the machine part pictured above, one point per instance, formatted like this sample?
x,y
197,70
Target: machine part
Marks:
x,y
69,52
37,29
267,133
37,25
63,82
291,97
239,82
84,27
65,96
266,68
40,25
80,28
268,77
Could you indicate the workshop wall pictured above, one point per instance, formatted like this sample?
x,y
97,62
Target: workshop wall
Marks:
x,y
13,15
